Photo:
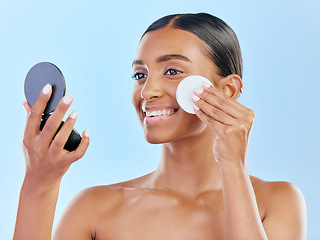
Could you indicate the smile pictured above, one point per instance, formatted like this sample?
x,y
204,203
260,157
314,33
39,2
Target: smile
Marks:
x,y
157,114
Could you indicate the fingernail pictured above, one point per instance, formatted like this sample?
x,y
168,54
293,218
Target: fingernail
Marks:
x,y
67,99
46,89
196,98
206,85
198,90
73,115
86,133
195,107
24,105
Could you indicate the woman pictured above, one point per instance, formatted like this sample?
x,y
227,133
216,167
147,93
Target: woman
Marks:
x,y
201,189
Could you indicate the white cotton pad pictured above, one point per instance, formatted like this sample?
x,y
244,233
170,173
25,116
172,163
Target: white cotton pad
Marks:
x,y
185,91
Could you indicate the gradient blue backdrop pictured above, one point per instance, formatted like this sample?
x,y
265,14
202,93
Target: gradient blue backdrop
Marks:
x,y
94,43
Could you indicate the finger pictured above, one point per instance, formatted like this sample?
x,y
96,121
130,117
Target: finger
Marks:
x,y
62,136
28,110
213,112
220,100
50,128
235,109
34,118
82,148
27,107
212,123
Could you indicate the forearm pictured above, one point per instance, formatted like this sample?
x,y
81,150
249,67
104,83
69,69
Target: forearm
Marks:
x,y
241,210
36,210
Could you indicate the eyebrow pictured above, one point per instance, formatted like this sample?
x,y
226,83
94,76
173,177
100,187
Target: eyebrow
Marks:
x,y
137,62
164,58
168,57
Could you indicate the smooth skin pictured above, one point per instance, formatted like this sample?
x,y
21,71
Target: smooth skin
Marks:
x,y
201,188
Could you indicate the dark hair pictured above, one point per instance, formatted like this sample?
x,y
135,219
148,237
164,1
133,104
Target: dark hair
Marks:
x,y
221,42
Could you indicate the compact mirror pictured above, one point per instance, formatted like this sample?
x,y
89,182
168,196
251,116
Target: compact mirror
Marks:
x,y
37,77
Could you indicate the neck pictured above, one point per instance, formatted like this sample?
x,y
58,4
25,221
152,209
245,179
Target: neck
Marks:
x,y
188,166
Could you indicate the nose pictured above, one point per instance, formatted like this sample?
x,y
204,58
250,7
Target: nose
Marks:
x,y
152,89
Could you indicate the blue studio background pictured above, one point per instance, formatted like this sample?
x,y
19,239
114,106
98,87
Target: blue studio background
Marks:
x,y
94,43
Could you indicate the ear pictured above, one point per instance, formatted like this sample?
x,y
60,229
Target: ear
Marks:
x,y
232,85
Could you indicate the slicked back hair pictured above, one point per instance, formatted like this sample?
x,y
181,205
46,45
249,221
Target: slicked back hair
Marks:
x,y
221,44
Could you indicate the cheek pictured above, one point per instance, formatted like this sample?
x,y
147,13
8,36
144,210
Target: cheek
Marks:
x,y
193,123
170,89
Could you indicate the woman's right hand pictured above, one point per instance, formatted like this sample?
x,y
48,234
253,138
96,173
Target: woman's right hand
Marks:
x,y
45,156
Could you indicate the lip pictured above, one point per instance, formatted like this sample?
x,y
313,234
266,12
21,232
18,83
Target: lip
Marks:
x,y
156,119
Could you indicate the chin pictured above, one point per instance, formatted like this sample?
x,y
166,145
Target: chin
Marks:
x,y
154,141
157,138
163,136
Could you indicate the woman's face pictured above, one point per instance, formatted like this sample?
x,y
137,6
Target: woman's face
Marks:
x,y
165,57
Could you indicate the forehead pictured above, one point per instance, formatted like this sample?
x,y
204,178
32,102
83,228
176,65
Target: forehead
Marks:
x,y
170,40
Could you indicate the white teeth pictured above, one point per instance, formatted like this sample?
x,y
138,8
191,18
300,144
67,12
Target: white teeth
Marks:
x,y
159,113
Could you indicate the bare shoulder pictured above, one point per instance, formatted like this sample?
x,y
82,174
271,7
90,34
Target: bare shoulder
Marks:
x,y
110,193
276,192
94,195
96,199
284,207
88,209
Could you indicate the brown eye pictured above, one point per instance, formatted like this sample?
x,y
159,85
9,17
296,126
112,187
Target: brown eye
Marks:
x,y
172,71
138,76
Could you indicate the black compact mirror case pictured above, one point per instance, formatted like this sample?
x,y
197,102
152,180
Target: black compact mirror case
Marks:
x,y
37,77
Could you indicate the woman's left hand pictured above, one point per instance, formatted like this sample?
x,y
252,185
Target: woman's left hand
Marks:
x,y
231,123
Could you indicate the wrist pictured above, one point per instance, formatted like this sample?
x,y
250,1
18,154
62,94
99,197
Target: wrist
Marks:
x,y
233,171
39,186
235,179
232,165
